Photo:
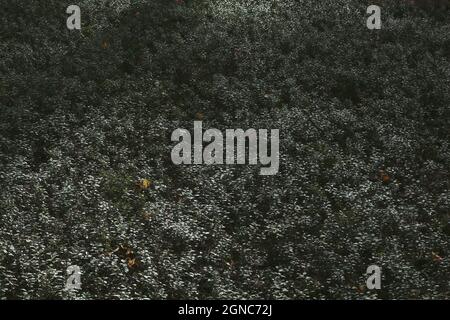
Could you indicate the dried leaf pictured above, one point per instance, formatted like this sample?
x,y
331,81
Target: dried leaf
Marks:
x,y
144,184
384,176
199,116
436,257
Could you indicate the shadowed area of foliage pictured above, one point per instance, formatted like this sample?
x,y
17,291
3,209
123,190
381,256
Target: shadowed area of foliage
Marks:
x,y
85,171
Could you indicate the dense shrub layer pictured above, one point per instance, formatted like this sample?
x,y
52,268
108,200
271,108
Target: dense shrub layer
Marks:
x,y
364,179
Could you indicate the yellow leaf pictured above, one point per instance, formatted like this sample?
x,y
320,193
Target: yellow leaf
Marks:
x,y
144,184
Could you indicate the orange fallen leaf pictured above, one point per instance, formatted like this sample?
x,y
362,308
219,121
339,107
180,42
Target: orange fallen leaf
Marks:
x,y
132,263
123,251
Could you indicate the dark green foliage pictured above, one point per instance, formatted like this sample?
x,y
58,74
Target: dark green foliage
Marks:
x,y
85,115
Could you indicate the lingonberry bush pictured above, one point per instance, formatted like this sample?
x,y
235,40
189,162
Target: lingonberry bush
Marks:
x,y
86,176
